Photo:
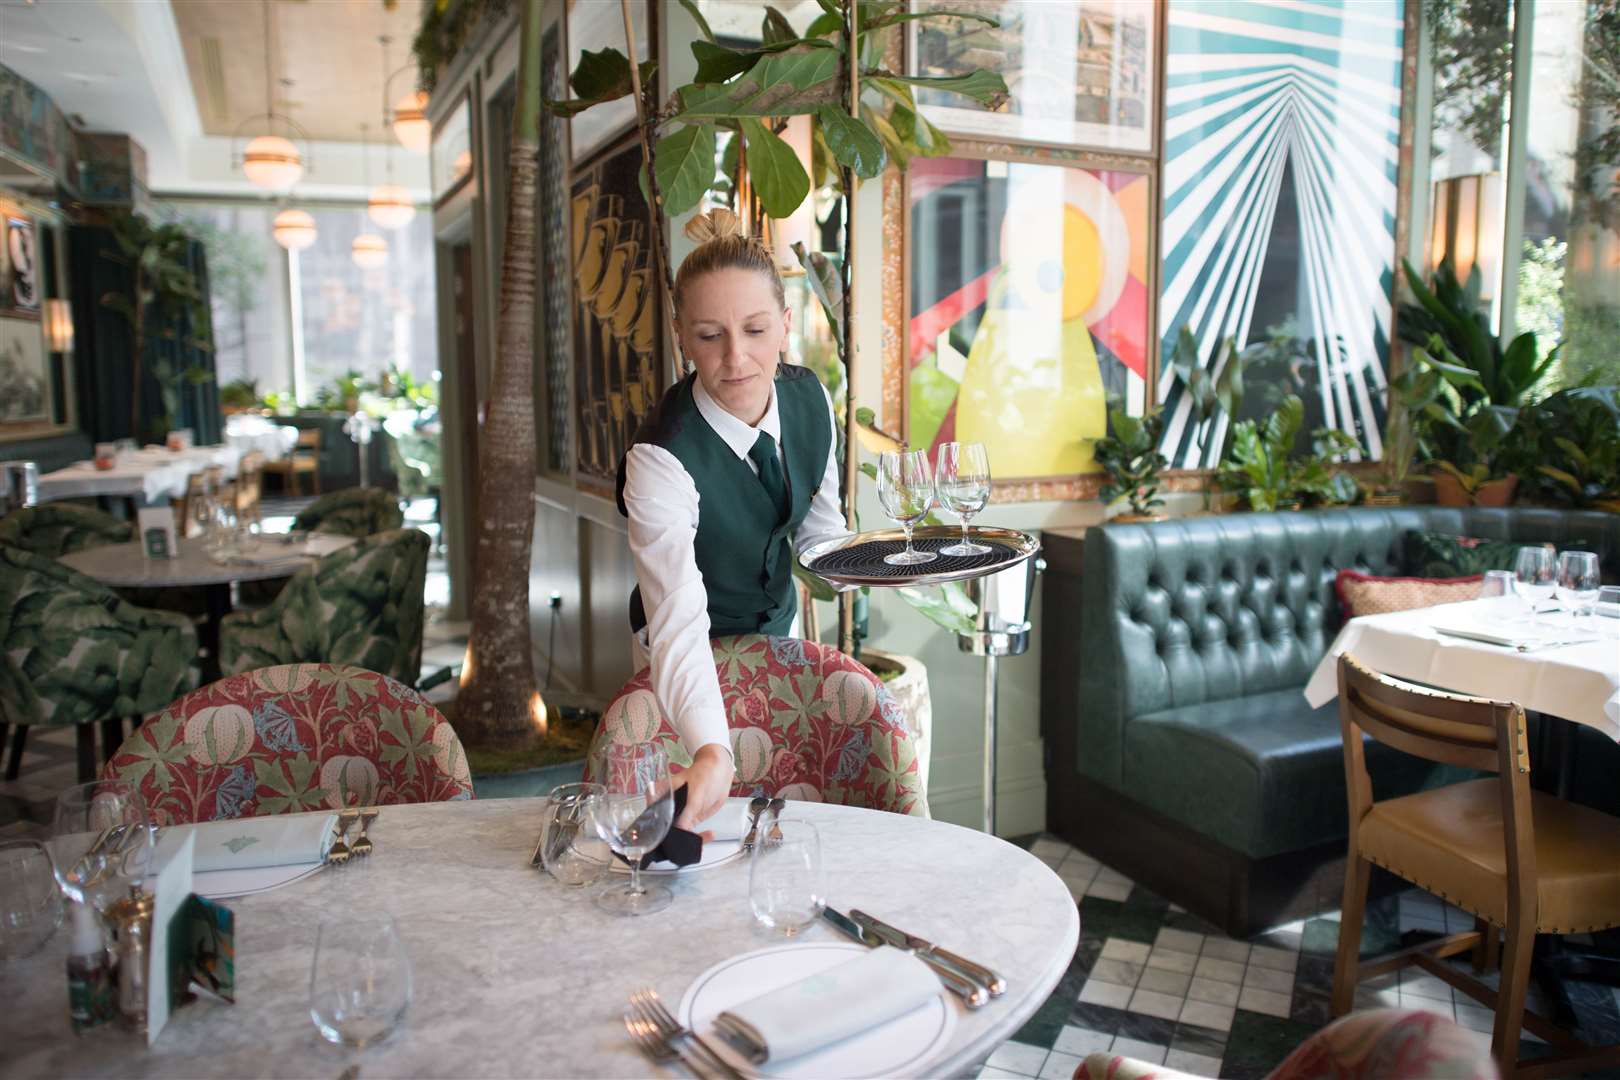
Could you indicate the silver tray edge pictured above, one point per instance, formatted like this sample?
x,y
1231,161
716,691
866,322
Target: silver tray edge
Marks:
x,y
1025,545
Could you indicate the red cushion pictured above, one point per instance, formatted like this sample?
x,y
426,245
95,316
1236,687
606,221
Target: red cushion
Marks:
x,y
1366,594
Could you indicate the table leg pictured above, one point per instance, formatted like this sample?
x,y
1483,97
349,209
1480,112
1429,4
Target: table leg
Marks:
x,y
219,606
990,663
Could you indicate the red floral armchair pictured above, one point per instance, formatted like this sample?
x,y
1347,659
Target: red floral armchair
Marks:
x,y
807,723
285,739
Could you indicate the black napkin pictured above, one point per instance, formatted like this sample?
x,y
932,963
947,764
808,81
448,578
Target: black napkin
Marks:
x,y
679,846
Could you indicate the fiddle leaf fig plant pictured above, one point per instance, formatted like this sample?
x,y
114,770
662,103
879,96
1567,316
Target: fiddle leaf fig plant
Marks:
x,y
1132,460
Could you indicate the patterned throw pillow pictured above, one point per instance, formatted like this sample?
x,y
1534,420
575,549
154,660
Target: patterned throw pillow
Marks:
x,y
1364,594
1445,555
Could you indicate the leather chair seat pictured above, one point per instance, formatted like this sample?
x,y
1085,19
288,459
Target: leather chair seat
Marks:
x,y
1262,774
1450,841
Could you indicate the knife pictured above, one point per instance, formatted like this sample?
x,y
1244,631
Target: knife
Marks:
x,y
972,994
978,973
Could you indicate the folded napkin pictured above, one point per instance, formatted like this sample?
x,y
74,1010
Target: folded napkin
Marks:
x,y
263,841
679,846
829,1006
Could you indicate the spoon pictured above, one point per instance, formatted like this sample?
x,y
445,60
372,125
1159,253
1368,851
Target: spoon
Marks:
x,y
777,806
756,806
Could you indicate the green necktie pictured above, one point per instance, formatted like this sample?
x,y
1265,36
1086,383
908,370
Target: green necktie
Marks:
x,y
764,456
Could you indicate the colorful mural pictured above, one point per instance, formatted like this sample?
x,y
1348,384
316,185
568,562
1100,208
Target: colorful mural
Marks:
x,y
1017,336
1281,142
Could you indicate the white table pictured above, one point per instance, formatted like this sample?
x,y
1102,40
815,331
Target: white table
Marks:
x,y
516,975
248,433
149,476
1580,683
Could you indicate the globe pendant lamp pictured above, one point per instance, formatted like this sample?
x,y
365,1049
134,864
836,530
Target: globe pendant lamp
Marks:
x,y
269,160
293,230
411,125
390,206
369,251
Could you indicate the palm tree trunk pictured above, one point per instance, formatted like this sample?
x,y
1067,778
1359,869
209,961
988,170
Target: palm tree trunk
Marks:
x,y
499,702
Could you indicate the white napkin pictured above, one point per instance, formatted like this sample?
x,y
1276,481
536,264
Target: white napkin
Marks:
x,y
248,843
836,1003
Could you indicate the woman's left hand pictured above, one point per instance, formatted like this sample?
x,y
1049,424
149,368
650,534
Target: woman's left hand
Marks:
x,y
708,783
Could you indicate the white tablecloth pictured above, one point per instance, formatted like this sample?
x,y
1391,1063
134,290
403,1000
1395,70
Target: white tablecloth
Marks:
x,y
249,433
151,475
1580,683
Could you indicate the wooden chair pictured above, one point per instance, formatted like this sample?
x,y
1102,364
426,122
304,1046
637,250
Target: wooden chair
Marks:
x,y
305,458
185,505
1521,860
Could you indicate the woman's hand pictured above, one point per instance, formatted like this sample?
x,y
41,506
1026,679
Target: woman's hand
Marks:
x,y
708,782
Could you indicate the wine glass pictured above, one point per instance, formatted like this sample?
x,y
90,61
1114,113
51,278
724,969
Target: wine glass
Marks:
x,y
101,841
359,980
633,814
963,483
785,884
566,835
906,490
30,905
1577,581
1533,568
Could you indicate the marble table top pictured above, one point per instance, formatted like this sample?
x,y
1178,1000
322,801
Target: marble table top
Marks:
x,y
127,565
517,975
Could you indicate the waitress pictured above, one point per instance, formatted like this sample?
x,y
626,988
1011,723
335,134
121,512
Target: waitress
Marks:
x,y
734,462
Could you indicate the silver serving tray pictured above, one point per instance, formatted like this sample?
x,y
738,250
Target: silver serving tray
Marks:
x,y
1023,545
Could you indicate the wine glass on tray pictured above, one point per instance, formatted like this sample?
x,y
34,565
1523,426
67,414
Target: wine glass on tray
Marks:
x,y
906,490
962,480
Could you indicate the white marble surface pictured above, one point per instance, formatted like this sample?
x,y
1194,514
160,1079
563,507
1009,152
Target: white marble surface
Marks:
x,y
516,975
127,565
152,475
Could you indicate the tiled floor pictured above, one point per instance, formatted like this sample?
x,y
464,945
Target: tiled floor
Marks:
x,y
1153,982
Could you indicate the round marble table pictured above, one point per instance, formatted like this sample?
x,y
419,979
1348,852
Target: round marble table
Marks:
x,y
517,975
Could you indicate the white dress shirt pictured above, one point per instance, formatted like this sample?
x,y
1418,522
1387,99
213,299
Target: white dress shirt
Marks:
x,y
662,502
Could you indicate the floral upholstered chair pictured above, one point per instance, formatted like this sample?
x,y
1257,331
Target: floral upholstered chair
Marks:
x,y
356,511
1378,1044
807,723
296,737
57,529
73,652
361,605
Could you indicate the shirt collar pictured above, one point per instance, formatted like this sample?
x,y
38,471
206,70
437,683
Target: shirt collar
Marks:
x,y
732,431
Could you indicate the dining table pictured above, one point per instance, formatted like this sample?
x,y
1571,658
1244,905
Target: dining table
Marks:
x,y
146,477
516,974
214,569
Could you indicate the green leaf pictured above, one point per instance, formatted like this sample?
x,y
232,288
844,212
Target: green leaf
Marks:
x,y
826,23
828,285
985,87
898,17
685,166
851,142
793,82
934,606
779,178
775,28
869,470
1454,373
899,149
717,63
601,76
697,17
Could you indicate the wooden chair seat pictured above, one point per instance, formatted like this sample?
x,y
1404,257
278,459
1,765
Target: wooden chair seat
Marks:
x,y
305,460
1451,842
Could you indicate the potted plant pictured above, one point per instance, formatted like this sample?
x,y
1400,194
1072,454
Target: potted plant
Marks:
x,y
1133,462
1209,394
1264,470
1567,448
239,396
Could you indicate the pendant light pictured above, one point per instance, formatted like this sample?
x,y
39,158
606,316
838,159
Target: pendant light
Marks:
x,y
389,205
270,160
368,250
411,125
294,229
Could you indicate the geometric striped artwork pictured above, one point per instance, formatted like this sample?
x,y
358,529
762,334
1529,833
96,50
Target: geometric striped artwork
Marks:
x,y
1281,141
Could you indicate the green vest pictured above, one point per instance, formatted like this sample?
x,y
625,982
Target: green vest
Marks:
x,y
744,552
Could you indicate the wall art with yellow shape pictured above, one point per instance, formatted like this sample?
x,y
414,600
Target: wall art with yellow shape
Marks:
x,y
1028,308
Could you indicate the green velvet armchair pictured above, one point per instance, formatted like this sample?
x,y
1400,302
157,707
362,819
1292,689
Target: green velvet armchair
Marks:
x,y
361,606
56,529
359,511
73,652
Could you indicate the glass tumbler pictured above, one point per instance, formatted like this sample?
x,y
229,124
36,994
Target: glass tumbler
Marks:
x,y
569,848
1496,583
1577,581
30,902
786,888
359,981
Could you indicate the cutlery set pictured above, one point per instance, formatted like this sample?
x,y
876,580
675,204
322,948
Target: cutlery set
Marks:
x,y
758,806
341,851
663,1038
974,983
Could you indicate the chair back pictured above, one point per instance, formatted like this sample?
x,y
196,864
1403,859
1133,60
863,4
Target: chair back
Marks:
x,y
73,650
249,488
356,511
56,529
294,737
806,723
308,444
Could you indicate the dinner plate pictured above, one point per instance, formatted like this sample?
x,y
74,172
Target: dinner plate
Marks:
x,y
904,1046
715,853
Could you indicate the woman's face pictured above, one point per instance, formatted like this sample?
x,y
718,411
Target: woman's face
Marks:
x,y
733,330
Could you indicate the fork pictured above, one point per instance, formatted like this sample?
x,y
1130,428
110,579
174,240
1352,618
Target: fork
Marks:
x,y
339,852
363,845
647,1005
645,1033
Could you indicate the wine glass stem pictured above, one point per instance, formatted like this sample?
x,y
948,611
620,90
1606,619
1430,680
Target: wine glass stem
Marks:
x,y
965,519
635,876
906,525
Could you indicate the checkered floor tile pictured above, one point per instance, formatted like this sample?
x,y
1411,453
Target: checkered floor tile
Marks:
x,y
1153,982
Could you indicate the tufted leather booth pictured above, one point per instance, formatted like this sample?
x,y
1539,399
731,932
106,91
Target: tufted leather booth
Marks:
x,y
1199,635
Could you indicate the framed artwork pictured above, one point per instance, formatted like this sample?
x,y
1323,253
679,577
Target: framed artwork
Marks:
x,y
452,161
593,26
1080,73
1017,337
19,267
554,261
25,396
617,324
1280,209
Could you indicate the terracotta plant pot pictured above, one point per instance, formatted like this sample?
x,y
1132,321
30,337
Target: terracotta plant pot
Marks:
x,y
1448,491
1386,498
1137,519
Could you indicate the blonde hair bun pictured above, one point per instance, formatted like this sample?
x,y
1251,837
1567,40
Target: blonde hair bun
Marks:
x,y
719,224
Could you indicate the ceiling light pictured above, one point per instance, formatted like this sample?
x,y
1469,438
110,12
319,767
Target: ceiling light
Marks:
x,y
294,230
272,162
411,125
369,251
58,326
390,206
